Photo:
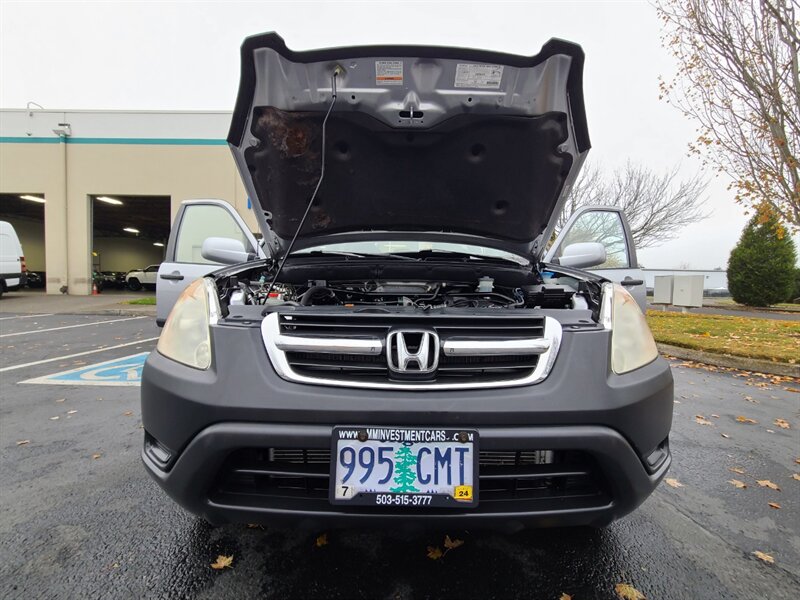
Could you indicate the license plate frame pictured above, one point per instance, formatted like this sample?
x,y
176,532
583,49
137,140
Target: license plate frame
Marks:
x,y
407,499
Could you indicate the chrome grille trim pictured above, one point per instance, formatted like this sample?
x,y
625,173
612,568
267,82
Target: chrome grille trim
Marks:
x,y
271,335
468,347
288,343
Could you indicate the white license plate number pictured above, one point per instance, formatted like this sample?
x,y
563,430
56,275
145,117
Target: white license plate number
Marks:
x,y
404,467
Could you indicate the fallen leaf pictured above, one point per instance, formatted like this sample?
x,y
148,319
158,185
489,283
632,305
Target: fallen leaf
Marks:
x,y
701,420
737,484
738,470
565,597
627,592
96,456
768,484
715,416
434,552
796,476
750,399
56,418
451,544
127,413
765,557
71,412
797,460
741,419
60,399
223,562
725,435
673,482
774,505
23,442
782,423
322,540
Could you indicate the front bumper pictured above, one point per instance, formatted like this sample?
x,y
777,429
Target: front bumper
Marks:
x,y
203,418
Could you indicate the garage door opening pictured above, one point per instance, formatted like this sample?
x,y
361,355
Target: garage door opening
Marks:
x,y
129,236
25,212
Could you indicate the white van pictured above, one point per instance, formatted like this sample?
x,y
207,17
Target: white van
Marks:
x,y
12,259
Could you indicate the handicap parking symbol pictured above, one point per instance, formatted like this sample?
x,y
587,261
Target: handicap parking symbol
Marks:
x,y
117,372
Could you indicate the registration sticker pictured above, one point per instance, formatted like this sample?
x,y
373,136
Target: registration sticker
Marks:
x,y
404,467
463,493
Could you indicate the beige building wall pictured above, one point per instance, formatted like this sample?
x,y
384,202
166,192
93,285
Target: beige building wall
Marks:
x,y
39,169
68,173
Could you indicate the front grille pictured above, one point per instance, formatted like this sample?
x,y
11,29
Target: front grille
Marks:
x,y
452,368
351,347
525,480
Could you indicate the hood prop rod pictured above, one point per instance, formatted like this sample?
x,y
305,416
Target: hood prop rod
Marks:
x,y
336,72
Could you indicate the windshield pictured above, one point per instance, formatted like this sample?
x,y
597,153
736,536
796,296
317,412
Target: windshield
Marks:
x,y
413,247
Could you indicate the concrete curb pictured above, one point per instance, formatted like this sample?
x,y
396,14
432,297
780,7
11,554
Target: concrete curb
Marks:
x,y
763,309
731,362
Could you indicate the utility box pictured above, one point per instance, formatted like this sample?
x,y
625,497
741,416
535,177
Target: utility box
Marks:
x,y
662,289
687,290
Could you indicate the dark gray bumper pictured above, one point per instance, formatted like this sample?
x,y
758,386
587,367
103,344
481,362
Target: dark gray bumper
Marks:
x,y
202,417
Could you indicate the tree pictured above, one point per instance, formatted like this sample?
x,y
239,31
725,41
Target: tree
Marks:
x,y
405,468
761,266
658,206
738,80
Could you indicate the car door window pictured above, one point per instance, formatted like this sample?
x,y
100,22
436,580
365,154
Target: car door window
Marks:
x,y
604,227
204,221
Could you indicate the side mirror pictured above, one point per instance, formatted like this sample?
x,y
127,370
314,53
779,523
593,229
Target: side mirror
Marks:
x,y
224,250
583,254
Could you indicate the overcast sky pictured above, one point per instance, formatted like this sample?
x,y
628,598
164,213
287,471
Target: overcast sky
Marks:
x,y
185,56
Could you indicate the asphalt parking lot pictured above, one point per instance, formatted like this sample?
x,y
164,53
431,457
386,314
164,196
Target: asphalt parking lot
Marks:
x,y
81,518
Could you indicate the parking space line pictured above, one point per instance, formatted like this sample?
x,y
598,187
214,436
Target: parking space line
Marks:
x,y
27,316
68,356
71,326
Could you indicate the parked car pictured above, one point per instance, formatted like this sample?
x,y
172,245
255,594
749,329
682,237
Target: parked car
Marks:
x,y
401,348
143,278
36,279
12,259
113,280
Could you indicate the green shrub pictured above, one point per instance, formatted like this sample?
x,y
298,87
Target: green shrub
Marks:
x,y
761,269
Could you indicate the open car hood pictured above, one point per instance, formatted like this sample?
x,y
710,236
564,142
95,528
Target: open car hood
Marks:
x,y
422,142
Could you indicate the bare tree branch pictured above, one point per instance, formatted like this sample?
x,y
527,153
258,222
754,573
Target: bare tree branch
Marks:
x,y
739,79
658,206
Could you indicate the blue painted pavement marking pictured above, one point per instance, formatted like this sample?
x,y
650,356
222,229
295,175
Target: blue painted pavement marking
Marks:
x,y
120,371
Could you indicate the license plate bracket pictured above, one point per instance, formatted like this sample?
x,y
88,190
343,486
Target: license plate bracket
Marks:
x,y
408,467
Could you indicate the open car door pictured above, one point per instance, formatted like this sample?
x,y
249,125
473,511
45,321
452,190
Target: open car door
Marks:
x,y
196,220
608,226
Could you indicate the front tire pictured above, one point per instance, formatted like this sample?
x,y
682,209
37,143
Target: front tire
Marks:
x,y
134,284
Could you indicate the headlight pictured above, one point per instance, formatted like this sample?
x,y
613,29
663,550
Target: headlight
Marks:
x,y
186,337
632,344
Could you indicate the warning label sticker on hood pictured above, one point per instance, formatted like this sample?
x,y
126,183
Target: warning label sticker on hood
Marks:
x,y
478,76
388,72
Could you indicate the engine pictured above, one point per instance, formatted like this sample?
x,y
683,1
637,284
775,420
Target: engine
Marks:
x,y
483,292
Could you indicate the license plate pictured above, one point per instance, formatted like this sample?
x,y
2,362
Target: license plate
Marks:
x,y
404,467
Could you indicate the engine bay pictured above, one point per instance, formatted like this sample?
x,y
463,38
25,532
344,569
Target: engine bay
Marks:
x,y
423,288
